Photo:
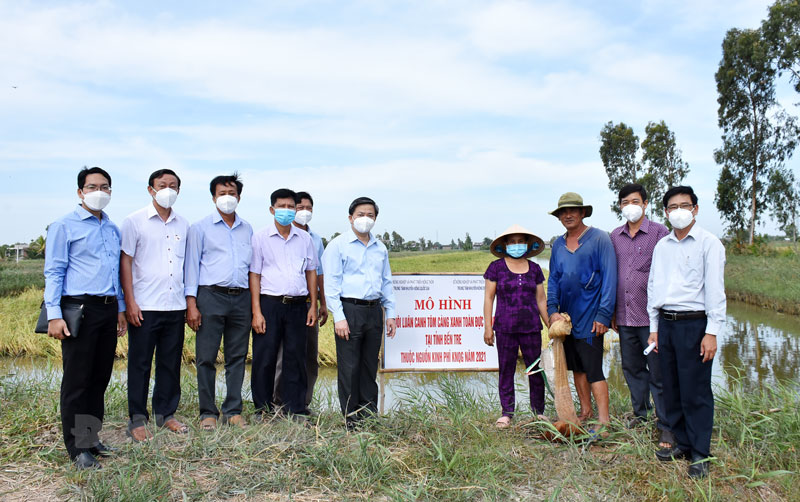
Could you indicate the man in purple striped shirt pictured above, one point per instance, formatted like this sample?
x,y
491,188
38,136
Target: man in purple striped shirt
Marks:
x,y
283,292
633,244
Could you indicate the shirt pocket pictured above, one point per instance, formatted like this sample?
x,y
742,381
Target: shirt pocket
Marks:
x,y
298,264
245,252
695,268
179,245
591,281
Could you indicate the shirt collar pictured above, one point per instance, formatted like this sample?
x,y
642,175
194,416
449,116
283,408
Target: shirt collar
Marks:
x,y
352,237
273,230
693,233
216,218
151,211
643,228
84,214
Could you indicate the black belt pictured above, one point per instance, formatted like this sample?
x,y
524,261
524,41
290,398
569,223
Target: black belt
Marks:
x,y
670,315
103,300
226,290
358,301
287,299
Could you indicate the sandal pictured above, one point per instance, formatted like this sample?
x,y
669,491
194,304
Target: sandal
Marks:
x,y
666,439
503,422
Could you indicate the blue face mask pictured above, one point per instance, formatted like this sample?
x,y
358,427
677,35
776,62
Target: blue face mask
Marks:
x,y
284,216
516,250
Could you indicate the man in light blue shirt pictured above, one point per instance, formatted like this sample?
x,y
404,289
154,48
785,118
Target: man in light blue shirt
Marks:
x,y
216,272
81,270
304,211
359,293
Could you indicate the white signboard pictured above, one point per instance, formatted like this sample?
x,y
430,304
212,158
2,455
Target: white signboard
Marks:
x,y
440,325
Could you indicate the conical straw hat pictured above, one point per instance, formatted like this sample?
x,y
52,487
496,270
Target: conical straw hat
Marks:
x,y
535,244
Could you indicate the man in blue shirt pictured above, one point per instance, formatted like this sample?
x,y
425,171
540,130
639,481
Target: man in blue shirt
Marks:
x,y
583,283
82,269
216,271
304,212
359,292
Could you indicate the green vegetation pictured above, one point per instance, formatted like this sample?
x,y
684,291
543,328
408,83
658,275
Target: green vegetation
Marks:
x,y
465,262
17,277
438,444
767,281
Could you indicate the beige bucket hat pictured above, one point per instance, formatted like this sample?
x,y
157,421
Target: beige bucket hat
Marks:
x,y
571,199
535,243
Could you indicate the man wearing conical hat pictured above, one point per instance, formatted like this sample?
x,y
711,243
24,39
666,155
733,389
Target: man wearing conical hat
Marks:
x,y
583,283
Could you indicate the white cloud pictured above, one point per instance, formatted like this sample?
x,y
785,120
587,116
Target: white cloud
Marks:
x,y
546,29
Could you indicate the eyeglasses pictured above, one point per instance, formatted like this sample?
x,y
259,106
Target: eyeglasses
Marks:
x,y
685,205
94,188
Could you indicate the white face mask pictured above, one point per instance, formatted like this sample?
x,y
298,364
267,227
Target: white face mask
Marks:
x,y
680,218
227,203
96,200
363,224
302,217
632,212
166,197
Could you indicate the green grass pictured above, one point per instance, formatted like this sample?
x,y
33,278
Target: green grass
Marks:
x,y
438,444
767,281
466,262
17,277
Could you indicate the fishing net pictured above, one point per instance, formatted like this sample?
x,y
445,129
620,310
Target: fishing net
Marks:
x,y
565,408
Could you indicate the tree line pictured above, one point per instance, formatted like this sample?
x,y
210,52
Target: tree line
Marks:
x,y
758,134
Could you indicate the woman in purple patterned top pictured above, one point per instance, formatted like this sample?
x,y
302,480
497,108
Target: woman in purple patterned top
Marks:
x,y
517,284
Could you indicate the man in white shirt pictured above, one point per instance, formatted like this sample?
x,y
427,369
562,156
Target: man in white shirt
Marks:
x,y
153,249
686,305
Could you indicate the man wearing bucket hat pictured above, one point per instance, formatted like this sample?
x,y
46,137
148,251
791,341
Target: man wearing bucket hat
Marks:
x,y
583,283
517,284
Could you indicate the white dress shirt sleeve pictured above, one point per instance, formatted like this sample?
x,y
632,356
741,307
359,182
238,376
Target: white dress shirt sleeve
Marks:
x,y
387,289
129,236
714,284
652,309
332,264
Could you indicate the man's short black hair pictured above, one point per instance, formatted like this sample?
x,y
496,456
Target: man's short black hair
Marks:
x,y
281,193
299,196
86,171
160,173
633,188
227,180
362,200
679,190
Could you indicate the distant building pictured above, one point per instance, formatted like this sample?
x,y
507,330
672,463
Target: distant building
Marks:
x,y
17,251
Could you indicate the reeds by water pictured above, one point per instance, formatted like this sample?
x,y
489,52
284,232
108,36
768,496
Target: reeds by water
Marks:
x,y
437,444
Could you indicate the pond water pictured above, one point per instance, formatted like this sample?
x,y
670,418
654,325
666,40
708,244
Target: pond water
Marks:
x,y
760,347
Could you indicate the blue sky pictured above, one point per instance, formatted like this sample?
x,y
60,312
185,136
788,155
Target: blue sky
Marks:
x,y
455,116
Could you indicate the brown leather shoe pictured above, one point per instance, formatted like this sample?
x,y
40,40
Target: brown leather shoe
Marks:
x,y
174,426
139,434
207,424
237,420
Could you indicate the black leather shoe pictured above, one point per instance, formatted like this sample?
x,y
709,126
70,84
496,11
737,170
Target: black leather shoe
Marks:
x,y
698,468
636,422
102,450
86,461
670,454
